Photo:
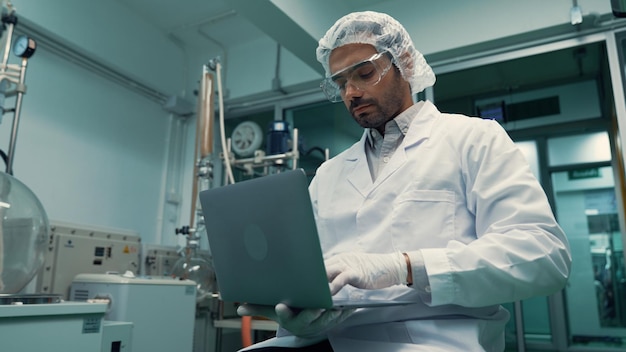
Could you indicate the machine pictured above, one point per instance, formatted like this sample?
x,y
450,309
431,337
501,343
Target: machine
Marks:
x,y
76,249
58,326
161,309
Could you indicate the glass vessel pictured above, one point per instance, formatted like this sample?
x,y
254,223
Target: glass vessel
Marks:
x,y
23,234
192,266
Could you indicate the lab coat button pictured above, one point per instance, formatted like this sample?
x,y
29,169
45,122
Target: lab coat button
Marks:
x,y
427,289
386,159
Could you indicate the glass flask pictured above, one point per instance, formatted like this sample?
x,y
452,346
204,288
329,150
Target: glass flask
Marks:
x,y
24,230
192,266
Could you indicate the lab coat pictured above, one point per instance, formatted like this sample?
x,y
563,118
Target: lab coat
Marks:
x,y
458,191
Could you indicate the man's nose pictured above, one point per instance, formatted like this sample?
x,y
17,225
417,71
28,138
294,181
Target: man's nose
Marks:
x,y
352,90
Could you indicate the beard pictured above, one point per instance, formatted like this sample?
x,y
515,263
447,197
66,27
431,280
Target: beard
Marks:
x,y
376,112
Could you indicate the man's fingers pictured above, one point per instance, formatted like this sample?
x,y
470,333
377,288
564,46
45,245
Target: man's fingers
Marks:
x,y
339,282
257,310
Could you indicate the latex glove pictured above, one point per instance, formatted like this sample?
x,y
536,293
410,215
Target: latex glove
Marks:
x,y
366,270
301,323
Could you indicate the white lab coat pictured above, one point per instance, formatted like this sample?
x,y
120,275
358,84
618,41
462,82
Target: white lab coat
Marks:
x,y
458,190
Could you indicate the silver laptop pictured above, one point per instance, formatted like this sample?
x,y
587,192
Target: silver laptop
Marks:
x,y
265,247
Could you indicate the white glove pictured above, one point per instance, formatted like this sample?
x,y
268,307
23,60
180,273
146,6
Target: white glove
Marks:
x,y
366,270
303,323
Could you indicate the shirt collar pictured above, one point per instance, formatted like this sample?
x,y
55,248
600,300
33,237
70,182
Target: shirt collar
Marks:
x,y
401,122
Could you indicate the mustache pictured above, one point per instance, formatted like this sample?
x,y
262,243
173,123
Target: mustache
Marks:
x,y
360,102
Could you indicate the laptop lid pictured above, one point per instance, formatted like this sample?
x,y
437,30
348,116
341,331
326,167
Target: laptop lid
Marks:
x,y
265,246
264,242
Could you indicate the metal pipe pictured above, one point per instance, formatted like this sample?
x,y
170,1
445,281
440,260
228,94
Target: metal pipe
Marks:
x,y
206,132
16,117
204,136
519,327
295,153
7,46
260,160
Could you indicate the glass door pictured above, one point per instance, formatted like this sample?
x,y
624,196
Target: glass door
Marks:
x,y
583,185
561,100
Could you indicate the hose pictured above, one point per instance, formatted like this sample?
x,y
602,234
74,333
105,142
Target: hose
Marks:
x,y
229,170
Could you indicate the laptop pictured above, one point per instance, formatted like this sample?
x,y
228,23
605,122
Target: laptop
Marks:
x,y
265,247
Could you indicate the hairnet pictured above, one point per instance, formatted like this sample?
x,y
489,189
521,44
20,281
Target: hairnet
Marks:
x,y
384,33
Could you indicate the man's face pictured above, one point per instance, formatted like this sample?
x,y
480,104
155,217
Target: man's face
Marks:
x,y
374,105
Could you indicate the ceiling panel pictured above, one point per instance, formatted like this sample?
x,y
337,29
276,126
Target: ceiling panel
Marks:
x,y
221,24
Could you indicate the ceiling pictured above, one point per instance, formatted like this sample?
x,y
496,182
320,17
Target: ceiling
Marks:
x,y
222,24
197,23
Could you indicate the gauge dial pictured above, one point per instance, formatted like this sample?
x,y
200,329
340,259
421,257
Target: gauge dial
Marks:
x,y
24,46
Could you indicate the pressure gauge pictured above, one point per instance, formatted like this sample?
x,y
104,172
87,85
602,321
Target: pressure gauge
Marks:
x,y
24,46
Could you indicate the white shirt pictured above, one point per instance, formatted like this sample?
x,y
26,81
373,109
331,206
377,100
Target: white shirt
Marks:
x,y
379,149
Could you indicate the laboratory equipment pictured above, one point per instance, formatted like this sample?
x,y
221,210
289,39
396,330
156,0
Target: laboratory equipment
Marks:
x,y
53,326
277,137
23,220
23,234
162,309
117,336
12,76
246,138
73,249
60,326
158,260
24,229
192,266
261,163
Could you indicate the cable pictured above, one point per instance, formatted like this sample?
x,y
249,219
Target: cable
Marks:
x,y
229,170
314,149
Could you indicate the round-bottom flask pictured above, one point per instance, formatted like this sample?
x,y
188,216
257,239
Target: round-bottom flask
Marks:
x,y
192,266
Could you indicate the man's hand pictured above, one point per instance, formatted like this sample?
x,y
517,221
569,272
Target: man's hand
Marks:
x,y
302,323
366,270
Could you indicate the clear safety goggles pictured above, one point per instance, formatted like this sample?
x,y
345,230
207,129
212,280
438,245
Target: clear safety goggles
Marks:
x,y
360,75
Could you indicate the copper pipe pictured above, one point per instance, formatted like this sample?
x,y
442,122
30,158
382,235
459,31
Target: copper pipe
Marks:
x,y
246,331
206,137
204,133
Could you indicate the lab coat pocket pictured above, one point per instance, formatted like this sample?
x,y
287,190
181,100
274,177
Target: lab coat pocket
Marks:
x,y
423,219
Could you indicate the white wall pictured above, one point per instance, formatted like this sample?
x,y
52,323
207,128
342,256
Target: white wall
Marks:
x,y
108,30
92,151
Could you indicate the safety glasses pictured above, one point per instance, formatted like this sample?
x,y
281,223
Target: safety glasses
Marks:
x,y
360,75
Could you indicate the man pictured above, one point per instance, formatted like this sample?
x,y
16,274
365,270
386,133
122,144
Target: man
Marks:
x,y
441,209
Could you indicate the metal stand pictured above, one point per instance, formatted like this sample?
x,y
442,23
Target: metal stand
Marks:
x,y
12,79
266,162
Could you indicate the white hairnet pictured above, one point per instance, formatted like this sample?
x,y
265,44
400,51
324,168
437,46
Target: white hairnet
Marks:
x,y
384,33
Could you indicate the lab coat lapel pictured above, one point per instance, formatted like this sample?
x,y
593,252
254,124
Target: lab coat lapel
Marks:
x,y
397,160
357,171
418,132
421,126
